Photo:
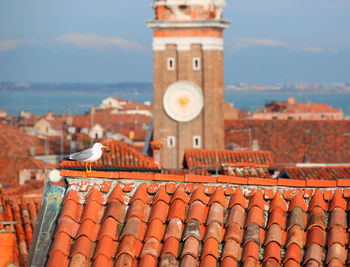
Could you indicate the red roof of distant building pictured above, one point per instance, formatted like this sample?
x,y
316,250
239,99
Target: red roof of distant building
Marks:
x,y
316,172
291,141
14,142
18,216
154,220
120,156
11,165
292,107
215,158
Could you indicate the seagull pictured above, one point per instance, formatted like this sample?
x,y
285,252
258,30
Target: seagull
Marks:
x,y
88,155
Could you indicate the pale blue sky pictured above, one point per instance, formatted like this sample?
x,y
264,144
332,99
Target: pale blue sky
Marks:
x,y
108,41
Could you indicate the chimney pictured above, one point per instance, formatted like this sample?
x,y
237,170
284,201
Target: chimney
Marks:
x,y
156,146
32,151
291,100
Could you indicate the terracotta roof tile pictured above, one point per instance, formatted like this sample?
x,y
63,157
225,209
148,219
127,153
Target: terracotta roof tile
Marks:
x,y
71,209
233,231
124,259
196,158
238,198
197,211
191,247
336,235
188,260
250,249
155,229
105,246
213,230
198,194
193,229
315,236
132,227
101,260
177,210
294,141
57,259
272,250
229,262
89,229
295,236
170,246
82,246
277,216
216,213
314,252
337,217
337,201
174,229
92,211
316,217
274,234
168,261
159,211
188,227
151,247
139,209
115,210
109,228
209,261
336,251
161,195
148,261
255,216
257,200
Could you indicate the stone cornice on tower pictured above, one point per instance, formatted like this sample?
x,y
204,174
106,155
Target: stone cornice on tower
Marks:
x,y
166,24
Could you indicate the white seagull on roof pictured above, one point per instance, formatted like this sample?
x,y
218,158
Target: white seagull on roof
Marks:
x,y
88,155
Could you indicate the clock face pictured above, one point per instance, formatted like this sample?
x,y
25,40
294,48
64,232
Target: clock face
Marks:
x,y
183,101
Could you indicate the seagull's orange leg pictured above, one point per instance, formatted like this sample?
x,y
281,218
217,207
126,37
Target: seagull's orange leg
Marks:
x,y
90,167
86,168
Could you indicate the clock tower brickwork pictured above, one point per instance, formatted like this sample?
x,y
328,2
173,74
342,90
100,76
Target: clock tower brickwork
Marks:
x,y
188,47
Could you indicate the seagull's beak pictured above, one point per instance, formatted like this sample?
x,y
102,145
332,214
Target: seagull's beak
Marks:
x,y
106,147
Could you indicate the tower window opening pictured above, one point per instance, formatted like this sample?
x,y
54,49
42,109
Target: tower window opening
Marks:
x,y
171,141
196,141
196,63
171,63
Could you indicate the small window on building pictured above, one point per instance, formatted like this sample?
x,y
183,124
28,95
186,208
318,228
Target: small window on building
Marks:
x,y
196,141
196,63
171,141
171,63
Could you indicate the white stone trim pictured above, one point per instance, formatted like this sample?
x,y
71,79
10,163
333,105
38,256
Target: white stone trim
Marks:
x,y
184,43
176,24
220,3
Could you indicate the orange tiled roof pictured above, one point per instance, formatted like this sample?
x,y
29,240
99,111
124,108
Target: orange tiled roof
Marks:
x,y
14,142
208,158
286,107
17,221
120,156
317,172
294,141
157,220
11,165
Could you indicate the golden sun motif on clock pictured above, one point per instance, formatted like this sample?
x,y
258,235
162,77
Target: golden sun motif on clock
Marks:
x,y
183,101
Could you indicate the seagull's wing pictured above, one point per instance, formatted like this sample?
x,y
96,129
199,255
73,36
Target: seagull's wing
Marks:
x,y
82,155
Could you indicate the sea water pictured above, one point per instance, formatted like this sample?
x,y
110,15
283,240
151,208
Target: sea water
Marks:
x,y
38,102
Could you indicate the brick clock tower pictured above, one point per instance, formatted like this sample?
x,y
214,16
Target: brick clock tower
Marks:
x,y
188,77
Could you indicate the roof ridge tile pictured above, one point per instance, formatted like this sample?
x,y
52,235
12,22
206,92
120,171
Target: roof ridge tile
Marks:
x,y
198,194
238,198
218,197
